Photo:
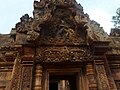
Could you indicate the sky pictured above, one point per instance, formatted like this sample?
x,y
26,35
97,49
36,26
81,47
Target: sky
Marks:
x,y
98,10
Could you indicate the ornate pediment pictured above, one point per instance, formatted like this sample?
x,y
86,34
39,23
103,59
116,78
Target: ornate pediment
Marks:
x,y
52,24
57,22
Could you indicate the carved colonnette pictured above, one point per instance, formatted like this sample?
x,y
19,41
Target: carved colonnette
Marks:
x,y
37,79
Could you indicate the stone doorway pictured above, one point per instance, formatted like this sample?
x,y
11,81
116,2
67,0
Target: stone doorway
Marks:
x,y
62,82
62,77
53,85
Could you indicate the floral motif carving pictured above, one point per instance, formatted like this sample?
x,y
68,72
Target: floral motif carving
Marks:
x,y
103,81
14,85
26,78
63,54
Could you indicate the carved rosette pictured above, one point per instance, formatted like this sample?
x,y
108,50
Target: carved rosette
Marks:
x,y
63,54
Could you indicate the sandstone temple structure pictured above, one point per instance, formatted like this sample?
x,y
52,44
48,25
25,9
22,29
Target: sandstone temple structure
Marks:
x,y
59,48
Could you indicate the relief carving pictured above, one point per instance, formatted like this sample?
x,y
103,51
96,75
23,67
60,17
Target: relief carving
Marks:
x,y
102,78
58,32
63,54
62,30
32,36
26,78
16,74
95,32
91,77
53,24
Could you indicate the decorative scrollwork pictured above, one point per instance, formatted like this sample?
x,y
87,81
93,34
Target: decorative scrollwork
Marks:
x,y
63,54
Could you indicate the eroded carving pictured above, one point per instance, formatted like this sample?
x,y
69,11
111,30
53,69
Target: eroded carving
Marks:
x,y
102,78
95,32
16,74
58,32
26,78
63,54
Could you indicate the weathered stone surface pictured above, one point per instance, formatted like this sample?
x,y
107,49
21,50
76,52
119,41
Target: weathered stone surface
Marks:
x,y
115,32
60,43
63,54
6,41
95,32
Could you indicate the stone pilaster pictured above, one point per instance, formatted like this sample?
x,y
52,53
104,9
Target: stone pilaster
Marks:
x,y
27,72
91,77
16,74
102,80
22,73
109,75
82,83
26,78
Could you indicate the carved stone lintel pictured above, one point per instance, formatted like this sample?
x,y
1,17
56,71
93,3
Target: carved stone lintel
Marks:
x,y
63,54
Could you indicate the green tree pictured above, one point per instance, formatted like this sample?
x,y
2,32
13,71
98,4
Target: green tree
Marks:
x,y
116,19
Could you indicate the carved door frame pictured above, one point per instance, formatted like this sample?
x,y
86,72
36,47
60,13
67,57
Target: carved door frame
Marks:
x,y
80,77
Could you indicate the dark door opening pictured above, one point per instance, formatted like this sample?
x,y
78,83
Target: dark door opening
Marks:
x,y
62,82
53,86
